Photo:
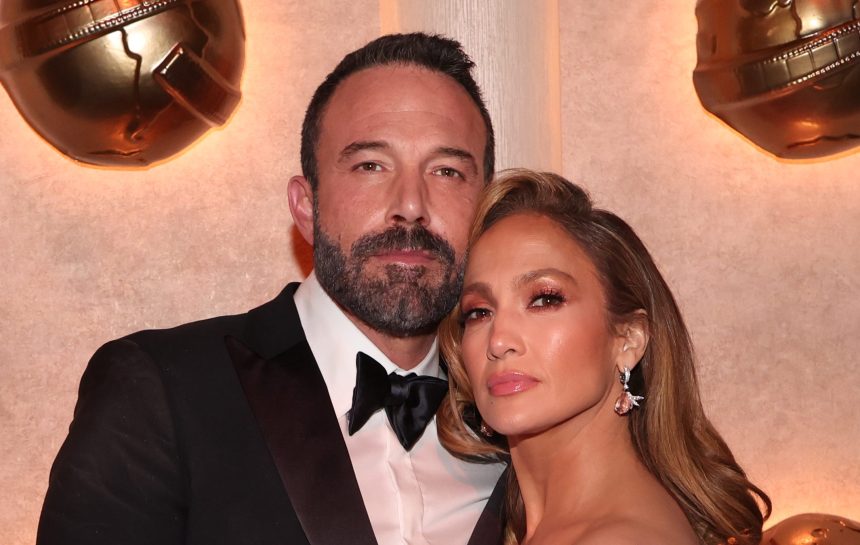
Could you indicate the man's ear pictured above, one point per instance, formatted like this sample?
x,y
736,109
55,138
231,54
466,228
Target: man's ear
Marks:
x,y
302,206
634,336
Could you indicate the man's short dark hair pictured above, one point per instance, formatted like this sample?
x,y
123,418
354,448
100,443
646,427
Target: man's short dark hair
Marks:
x,y
435,53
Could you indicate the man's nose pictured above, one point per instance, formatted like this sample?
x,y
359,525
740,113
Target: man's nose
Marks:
x,y
408,199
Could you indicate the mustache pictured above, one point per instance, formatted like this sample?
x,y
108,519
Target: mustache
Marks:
x,y
401,238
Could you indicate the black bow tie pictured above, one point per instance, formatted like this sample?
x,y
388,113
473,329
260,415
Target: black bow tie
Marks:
x,y
410,402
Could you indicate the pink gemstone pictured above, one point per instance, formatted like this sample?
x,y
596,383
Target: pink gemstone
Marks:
x,y
623,404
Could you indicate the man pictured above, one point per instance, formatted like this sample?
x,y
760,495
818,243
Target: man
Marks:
x,y
267,427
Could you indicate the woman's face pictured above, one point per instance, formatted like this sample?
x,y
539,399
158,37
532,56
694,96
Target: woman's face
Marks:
x,y
536,345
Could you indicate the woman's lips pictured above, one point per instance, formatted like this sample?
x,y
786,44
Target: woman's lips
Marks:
x,y
510,382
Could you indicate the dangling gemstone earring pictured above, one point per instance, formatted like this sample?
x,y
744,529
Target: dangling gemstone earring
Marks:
x,y
486,430
626,401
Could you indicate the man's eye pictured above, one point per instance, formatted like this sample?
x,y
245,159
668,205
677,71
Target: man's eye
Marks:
x,y
448,172
369,167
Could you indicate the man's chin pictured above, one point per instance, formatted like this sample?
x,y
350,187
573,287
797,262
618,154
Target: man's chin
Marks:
x,y
401,303
399,273
428,275
404,288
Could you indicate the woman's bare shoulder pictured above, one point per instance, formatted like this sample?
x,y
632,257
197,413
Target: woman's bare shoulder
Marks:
x,y
638,532
638,529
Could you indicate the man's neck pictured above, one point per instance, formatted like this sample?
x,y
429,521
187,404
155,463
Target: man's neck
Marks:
x,y
404,352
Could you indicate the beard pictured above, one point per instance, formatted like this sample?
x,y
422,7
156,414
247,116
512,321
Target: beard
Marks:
x,y
397,300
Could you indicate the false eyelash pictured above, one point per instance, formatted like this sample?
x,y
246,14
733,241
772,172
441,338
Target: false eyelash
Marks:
x,y
462,317
551,293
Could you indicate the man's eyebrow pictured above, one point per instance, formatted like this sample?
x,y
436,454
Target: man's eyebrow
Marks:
x,y
458,153
361,145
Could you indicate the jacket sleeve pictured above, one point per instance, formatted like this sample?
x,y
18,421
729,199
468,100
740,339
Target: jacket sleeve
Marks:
x,y
117,479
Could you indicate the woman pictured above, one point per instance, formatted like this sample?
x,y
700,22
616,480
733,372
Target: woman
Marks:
x,y
569,343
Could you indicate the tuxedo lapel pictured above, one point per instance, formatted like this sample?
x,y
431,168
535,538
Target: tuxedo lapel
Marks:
x,y
289,399
490,529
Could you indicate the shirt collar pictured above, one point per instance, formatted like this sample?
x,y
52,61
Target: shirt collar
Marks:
x,y
334,341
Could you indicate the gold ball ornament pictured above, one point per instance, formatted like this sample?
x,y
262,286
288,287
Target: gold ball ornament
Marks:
x,y
122,82
784,73
813,529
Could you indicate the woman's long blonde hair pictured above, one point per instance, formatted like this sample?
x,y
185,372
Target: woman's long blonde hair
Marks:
x,y
670,432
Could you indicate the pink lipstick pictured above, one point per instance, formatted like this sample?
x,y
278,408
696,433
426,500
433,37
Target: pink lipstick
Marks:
x,y
510,382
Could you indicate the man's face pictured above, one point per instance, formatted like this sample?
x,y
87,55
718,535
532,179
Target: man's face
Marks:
x,y
400,163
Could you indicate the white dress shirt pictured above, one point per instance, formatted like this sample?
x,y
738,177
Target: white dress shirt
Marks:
x,y
424,496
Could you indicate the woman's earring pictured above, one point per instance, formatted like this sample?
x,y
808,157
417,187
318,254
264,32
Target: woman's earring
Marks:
x,y
486,430
626,401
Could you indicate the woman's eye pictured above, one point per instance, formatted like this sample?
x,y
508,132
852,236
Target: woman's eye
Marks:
x,y
547,300
475,314
447,172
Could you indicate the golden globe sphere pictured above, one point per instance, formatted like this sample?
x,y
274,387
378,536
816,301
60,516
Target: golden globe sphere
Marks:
x,y
122,82
813,529
784,73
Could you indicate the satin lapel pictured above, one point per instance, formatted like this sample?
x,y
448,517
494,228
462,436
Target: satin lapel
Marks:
x,y
289,399
490,529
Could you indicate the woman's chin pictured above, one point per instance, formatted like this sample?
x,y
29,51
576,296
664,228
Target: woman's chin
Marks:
x,y
517,427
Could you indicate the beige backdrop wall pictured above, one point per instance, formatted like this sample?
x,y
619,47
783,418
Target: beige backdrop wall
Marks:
x,y
91,254
764,256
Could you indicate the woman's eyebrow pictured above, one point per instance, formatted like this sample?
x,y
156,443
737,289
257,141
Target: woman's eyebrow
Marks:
x,y
478,288
531,276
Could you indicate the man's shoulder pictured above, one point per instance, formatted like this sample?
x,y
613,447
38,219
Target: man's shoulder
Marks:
x,y
189,333
200,339
195,348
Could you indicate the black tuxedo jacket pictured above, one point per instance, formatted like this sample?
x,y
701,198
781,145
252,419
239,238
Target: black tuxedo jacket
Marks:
x,y
215,432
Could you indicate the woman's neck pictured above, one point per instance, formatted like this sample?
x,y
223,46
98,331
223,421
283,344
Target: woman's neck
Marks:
x,y
574,471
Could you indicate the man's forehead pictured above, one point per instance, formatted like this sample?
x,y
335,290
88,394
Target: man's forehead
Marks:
x,y
405,71
399,87
460,154
405,109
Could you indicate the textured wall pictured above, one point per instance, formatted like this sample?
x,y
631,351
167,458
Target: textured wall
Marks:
x,y
91,254
515,44
764,256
